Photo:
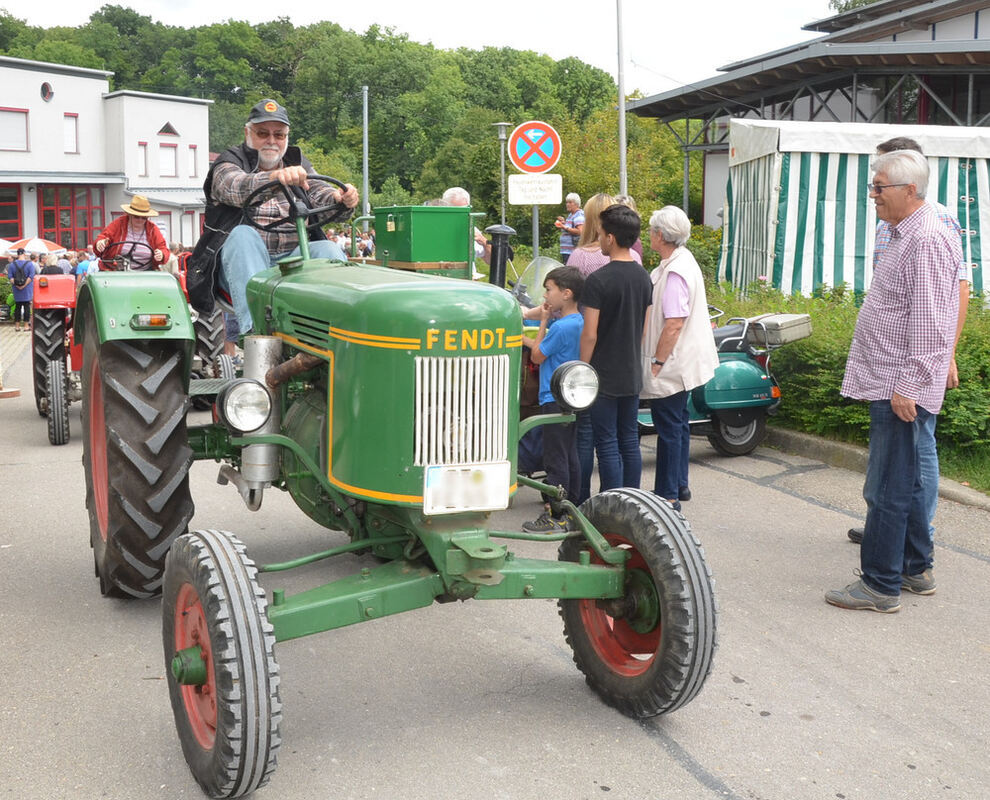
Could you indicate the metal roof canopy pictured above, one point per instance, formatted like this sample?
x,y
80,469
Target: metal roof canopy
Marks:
x,y
817,66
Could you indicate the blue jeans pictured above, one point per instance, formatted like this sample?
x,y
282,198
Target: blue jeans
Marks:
x,y
897,538
244,255
616,432
928,457
671,419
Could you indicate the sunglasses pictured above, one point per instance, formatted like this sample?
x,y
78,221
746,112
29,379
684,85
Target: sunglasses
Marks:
x,y
879,187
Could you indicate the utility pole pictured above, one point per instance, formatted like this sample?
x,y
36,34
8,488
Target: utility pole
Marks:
x,y
623,182
366,199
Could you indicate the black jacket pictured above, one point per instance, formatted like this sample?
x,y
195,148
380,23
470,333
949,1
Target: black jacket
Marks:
x,y
201,277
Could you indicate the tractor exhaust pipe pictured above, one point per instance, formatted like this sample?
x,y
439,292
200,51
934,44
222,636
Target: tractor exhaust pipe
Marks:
x,y
259,462
500,253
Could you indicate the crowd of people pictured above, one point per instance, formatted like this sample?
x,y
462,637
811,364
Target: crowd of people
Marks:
x,y
646,335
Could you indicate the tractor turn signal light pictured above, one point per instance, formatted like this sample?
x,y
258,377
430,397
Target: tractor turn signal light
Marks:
x,y
151,322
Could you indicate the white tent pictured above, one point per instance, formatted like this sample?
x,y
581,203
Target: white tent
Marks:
x,y
797,211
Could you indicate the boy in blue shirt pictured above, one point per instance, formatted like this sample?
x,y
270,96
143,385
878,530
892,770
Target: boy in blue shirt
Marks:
x,y
554,345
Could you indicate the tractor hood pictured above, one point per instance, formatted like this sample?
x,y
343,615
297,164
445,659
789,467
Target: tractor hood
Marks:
x,y
325,303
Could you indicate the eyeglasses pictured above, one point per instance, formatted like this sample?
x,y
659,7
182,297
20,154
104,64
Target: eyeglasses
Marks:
x,y
279,136
879,187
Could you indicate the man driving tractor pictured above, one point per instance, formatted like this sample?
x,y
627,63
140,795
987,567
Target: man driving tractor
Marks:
x,y
230,252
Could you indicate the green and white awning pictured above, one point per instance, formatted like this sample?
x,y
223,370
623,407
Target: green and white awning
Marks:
x,y
798,214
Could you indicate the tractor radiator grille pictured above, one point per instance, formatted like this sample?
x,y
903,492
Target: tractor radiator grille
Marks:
x,y
461,410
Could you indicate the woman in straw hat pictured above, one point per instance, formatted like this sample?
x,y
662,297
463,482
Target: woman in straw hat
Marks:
x,y
134,229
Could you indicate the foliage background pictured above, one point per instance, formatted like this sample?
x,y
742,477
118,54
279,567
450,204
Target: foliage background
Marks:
x,y
431,111
810,376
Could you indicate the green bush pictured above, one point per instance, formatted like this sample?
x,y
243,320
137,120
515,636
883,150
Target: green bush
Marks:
x,y
810,371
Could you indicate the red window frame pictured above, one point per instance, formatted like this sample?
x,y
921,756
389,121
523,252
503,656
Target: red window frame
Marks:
x,y
75,118
164,147
71,215
142,159
27,131
10,213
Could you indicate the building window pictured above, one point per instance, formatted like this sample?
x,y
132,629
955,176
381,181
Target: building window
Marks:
x,y
142,165
168,130
168,157
47,92
187,225
14,129
192,161
70,215
10,211
70,133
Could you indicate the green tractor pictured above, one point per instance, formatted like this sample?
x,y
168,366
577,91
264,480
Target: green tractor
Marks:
x,y
385,401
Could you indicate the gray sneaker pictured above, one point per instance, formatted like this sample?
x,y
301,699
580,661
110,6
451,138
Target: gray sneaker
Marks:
x,y
919,584
860,597
855,535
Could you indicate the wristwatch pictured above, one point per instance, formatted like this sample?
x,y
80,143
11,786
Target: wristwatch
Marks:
x,y
654,361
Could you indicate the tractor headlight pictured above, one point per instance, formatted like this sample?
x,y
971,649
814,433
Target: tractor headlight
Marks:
x,y
574,385
244,405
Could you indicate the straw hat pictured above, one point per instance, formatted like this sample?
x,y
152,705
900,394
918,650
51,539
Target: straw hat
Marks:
x,y
140,207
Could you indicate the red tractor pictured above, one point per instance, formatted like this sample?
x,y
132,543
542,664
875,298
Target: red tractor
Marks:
x,y
57,358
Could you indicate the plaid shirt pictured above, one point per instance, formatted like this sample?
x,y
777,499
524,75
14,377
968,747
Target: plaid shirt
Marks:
x,y
904,333
232,187
945,216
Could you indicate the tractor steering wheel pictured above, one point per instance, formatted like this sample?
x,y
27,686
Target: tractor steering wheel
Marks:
x,y
298,207
131,260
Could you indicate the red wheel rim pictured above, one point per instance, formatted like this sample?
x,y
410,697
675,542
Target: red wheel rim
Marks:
x,y
200,701
624,650
98,449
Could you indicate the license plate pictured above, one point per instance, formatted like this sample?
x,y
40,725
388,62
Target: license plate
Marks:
x,y
466,487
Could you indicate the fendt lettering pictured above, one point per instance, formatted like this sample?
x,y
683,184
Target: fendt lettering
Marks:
x,y
473,340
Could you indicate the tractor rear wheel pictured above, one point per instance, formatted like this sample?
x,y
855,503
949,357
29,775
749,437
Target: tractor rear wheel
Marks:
x,y
210,336
47,344
57,403
214,616
649,652
136,458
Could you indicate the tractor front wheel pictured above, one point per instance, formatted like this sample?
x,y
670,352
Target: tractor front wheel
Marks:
x,y
219,654
57,403
650,651
136,457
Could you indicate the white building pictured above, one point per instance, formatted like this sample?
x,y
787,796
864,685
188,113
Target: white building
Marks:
x,y
72,152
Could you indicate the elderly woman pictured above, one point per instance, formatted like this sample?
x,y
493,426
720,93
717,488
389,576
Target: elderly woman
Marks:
x,y
678,348
134,235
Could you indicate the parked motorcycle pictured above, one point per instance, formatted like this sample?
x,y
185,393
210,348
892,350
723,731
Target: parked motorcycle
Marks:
x,y
731,410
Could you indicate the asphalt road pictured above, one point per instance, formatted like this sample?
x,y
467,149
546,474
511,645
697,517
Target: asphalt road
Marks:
x,y
481,699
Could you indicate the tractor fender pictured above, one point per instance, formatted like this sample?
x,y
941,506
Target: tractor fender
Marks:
x,y
118,298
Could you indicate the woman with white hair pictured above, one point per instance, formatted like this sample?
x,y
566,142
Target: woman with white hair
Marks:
x,y
678,349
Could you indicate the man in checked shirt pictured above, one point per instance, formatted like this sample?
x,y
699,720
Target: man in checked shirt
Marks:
x,y
929,454
230,251
899,361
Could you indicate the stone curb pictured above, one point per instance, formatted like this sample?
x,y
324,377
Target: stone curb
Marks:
x,y
853,457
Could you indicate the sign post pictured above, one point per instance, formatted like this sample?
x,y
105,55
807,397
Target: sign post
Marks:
x,y
534,149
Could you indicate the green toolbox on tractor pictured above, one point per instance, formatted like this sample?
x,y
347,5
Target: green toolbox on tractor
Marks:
x,y
386,403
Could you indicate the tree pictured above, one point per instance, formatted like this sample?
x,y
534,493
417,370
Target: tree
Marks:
x,y
841,6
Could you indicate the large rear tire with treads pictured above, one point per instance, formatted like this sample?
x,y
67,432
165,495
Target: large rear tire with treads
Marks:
x,y
136,457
